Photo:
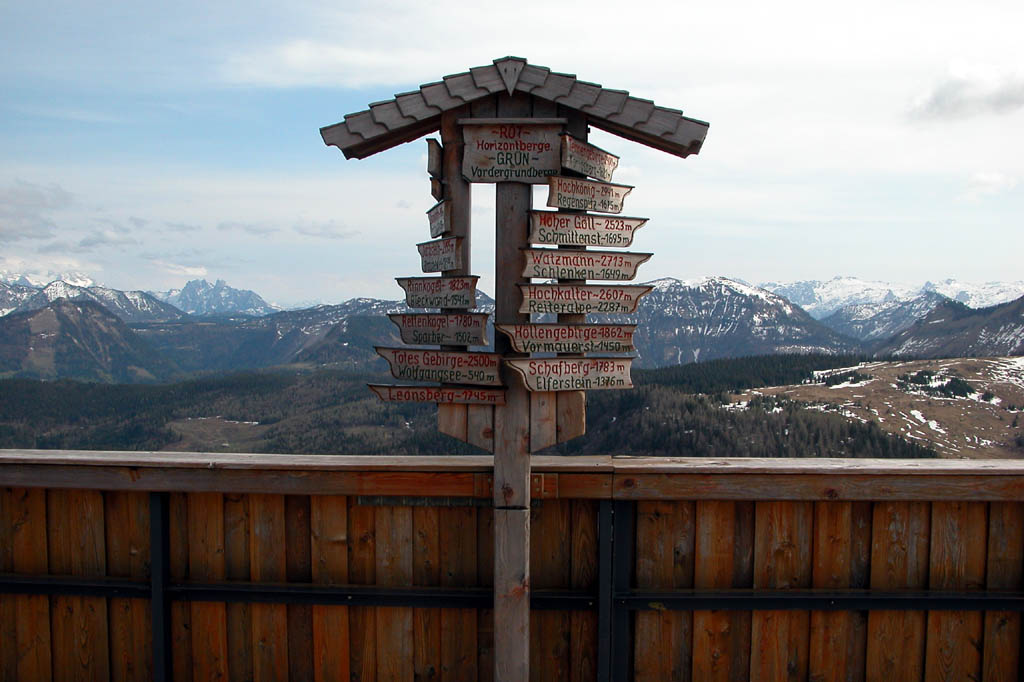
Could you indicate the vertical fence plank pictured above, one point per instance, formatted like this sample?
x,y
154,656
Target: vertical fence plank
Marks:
x,y
782,559
458,561
362,548
75,541
583,555
426,570
899,560
841,554
329,547
395,647
25,515
549,568
237,561
664,560
268,564
206,563
127,528
1001,649
485,575
299,570
724,558
958,545
181,612
8,603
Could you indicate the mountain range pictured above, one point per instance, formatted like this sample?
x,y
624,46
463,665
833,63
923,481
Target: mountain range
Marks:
x,y
111,335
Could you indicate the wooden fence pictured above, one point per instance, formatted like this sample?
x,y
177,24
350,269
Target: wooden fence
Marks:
x,y
195,567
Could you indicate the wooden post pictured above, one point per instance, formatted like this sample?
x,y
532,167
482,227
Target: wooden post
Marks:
x,y
511,434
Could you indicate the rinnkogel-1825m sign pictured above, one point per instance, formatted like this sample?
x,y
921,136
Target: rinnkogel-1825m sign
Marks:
x,y
443,366
439,292
573,374
580,299
582,229
568,264
452,329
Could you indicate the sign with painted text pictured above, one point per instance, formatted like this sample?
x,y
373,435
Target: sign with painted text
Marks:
x,y
439,292
445,329
582,229
439,394
586,195
568,264
569,338
443,366
438,218
581,299
573,374
440,255
587,159
510,150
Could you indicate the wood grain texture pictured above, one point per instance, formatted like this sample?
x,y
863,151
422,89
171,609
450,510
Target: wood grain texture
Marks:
x,y
76,545
237,565
511,595
24,516
452,420
841,554
181,612
1005,571
782,559
208,620
268,563
572,415
543,407
426,570
584,571
298,557
724,558
130,628
480,426
664,560
329,547
8,605
958,546
458,562
550,568
899,560
395,642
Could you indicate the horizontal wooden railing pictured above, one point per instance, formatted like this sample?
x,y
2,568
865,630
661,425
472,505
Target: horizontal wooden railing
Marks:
x,y
192,565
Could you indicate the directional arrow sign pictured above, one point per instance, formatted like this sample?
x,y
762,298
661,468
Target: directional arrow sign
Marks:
x,y
439,394
569,338
453,329
579,299
437,216
440,255
573,374
444,366
568,264
439,292
587,159
582,229
586,195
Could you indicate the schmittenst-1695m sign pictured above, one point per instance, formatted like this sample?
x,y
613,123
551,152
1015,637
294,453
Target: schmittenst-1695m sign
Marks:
x,y
451,329
580,299
582,229
439,292
570,264
444,366
569,338
573,374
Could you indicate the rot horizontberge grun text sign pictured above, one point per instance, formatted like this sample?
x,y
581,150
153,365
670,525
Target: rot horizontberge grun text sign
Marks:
x,y
587,159
452,329
582,229
440,255
569,338
510,150
439,292
439,394
444,366
580,299
586,195
566,264
573,374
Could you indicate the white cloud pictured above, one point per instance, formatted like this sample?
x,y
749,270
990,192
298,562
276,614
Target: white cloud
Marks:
x,y
26,210
987,184
969,91
181,270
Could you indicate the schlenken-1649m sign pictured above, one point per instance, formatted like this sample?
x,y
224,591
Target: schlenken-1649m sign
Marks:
x,y
570,264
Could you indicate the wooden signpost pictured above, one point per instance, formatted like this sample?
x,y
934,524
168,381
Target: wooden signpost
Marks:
x,y
516,125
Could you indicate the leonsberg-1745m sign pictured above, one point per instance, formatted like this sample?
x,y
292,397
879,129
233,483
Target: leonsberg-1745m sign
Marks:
x,y
453,329
581,299
445,366
567,264
439,394
582,229
573,374
569,338
439,292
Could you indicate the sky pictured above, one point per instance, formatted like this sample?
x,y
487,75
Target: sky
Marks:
x,y
147,144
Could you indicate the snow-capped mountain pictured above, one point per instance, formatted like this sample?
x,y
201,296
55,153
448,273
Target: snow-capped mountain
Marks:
x,y
130,306
199,297
13,295
39,279
954,330
877,321
977,295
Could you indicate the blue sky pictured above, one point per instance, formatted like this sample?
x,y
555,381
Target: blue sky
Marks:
x,y
146,144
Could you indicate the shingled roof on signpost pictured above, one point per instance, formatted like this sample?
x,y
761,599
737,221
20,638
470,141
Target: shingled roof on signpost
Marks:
x,y
411,115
